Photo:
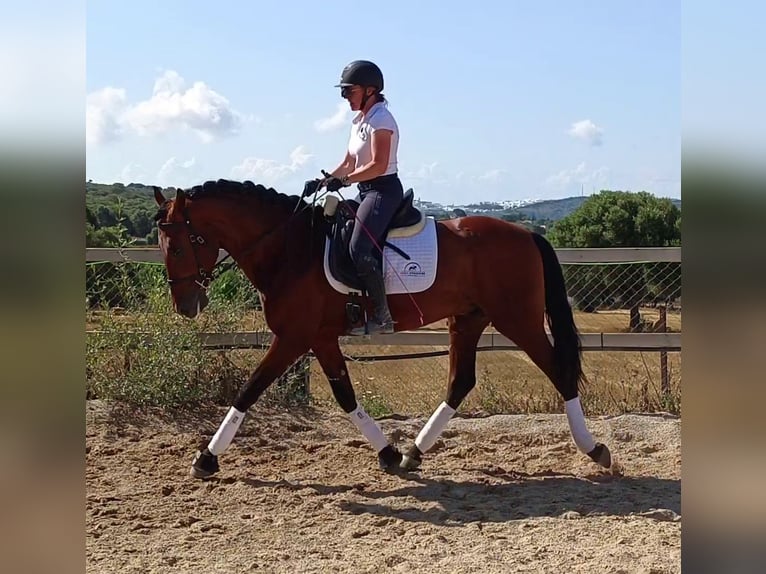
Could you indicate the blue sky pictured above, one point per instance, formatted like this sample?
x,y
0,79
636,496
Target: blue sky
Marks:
x,y
495,101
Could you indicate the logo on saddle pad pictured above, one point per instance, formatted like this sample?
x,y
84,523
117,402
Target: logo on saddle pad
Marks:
x,y
413,269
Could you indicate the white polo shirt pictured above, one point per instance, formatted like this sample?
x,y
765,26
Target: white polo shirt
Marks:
x,y
362,127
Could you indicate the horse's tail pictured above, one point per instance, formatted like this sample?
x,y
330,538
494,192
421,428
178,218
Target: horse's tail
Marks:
x,y
566,339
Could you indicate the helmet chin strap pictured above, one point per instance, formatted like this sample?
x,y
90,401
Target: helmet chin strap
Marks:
x,y
365,97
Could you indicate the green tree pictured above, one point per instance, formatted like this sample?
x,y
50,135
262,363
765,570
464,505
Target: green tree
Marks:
x,y
152,238
142,223
622,219
90,217
106,216
127,222
511,216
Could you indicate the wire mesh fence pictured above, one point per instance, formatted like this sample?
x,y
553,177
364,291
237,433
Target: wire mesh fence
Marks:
x,y
139,350
609,286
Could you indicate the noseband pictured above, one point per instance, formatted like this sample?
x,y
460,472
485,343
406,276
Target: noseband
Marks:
x,y
203,278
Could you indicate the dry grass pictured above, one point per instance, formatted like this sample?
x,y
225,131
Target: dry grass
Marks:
x,y
507,381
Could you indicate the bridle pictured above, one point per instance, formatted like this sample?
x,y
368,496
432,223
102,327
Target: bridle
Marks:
x,y
202,278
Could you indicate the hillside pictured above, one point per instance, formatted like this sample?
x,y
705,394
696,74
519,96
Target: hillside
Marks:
x,y
133,205
552,209
549,210
108,205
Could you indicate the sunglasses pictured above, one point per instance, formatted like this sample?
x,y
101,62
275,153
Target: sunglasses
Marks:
x,y
346,91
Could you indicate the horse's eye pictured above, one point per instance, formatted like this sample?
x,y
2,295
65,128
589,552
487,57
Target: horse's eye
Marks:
x,y
177,252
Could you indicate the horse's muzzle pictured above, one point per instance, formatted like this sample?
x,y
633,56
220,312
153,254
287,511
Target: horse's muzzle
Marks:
x,y
193,306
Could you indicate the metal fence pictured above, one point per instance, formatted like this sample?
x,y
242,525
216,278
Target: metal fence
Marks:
x,y
627,306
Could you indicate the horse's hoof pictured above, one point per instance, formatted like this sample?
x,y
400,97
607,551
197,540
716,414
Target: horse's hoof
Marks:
x,y
204,464
601,455
389,458
411,460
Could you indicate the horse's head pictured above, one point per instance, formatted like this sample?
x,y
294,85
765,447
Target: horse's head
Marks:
x,y
189,257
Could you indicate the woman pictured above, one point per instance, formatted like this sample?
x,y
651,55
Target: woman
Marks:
x,y
371,162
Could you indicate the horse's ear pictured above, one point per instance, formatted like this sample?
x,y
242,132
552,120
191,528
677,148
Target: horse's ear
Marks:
x,y
180,198
158,197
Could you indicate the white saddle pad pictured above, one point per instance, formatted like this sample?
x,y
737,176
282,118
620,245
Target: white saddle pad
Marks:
x,y
401,275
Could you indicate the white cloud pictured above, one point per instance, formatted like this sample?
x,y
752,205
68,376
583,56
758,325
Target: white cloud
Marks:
x,y
492,176
175,173
169,82
270,171
300,156
340,118
132,173
431,175
579,175
103,110
449,185
434,174
198,108
171,107
425,171
587,131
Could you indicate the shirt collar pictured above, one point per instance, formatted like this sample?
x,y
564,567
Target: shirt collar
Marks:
x,y
359,115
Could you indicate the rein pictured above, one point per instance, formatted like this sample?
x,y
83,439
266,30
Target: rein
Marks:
x,y
204,278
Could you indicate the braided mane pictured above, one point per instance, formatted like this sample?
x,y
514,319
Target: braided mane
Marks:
x,y
268,196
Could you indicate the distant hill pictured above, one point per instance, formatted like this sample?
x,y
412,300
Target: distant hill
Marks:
x,y
548,210
134,203
109,193
555,209
551,209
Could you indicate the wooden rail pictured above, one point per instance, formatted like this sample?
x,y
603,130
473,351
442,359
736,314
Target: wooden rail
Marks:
x,y
565,255
487,342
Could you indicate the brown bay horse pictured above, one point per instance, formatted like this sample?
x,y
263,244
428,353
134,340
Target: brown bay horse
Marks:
x,y
488,271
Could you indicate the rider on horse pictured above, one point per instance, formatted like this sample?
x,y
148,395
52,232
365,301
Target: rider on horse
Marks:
x,y
370,162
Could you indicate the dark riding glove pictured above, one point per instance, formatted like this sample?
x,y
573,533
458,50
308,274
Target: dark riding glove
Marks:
x,y
335,183
310,187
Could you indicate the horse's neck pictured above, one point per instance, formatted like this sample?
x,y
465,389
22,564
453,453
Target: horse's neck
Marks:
x,y
257,240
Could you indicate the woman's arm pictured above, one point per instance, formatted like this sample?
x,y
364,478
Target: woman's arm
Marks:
x,y
381,151
345,167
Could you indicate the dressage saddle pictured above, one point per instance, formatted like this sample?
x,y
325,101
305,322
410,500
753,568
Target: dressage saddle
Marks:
x,y
408,220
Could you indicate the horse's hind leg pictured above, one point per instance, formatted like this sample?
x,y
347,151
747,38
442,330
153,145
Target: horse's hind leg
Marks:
x,y
529,334
465,331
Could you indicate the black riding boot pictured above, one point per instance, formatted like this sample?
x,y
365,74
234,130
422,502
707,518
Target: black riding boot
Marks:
x,y
381,321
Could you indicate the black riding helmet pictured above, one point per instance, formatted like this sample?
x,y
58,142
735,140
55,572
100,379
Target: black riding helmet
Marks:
x,y
361,73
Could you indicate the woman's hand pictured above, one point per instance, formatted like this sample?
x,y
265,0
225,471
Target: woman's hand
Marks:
x,y
333,183
311,187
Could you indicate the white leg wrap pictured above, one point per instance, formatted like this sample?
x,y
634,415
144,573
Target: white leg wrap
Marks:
x,y
369,428
225,433
582,437
434,427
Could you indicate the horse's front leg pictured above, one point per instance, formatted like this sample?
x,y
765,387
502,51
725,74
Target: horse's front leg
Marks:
x,y
333,364
281,354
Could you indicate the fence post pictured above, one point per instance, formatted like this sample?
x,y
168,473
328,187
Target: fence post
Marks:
x,y
663,328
